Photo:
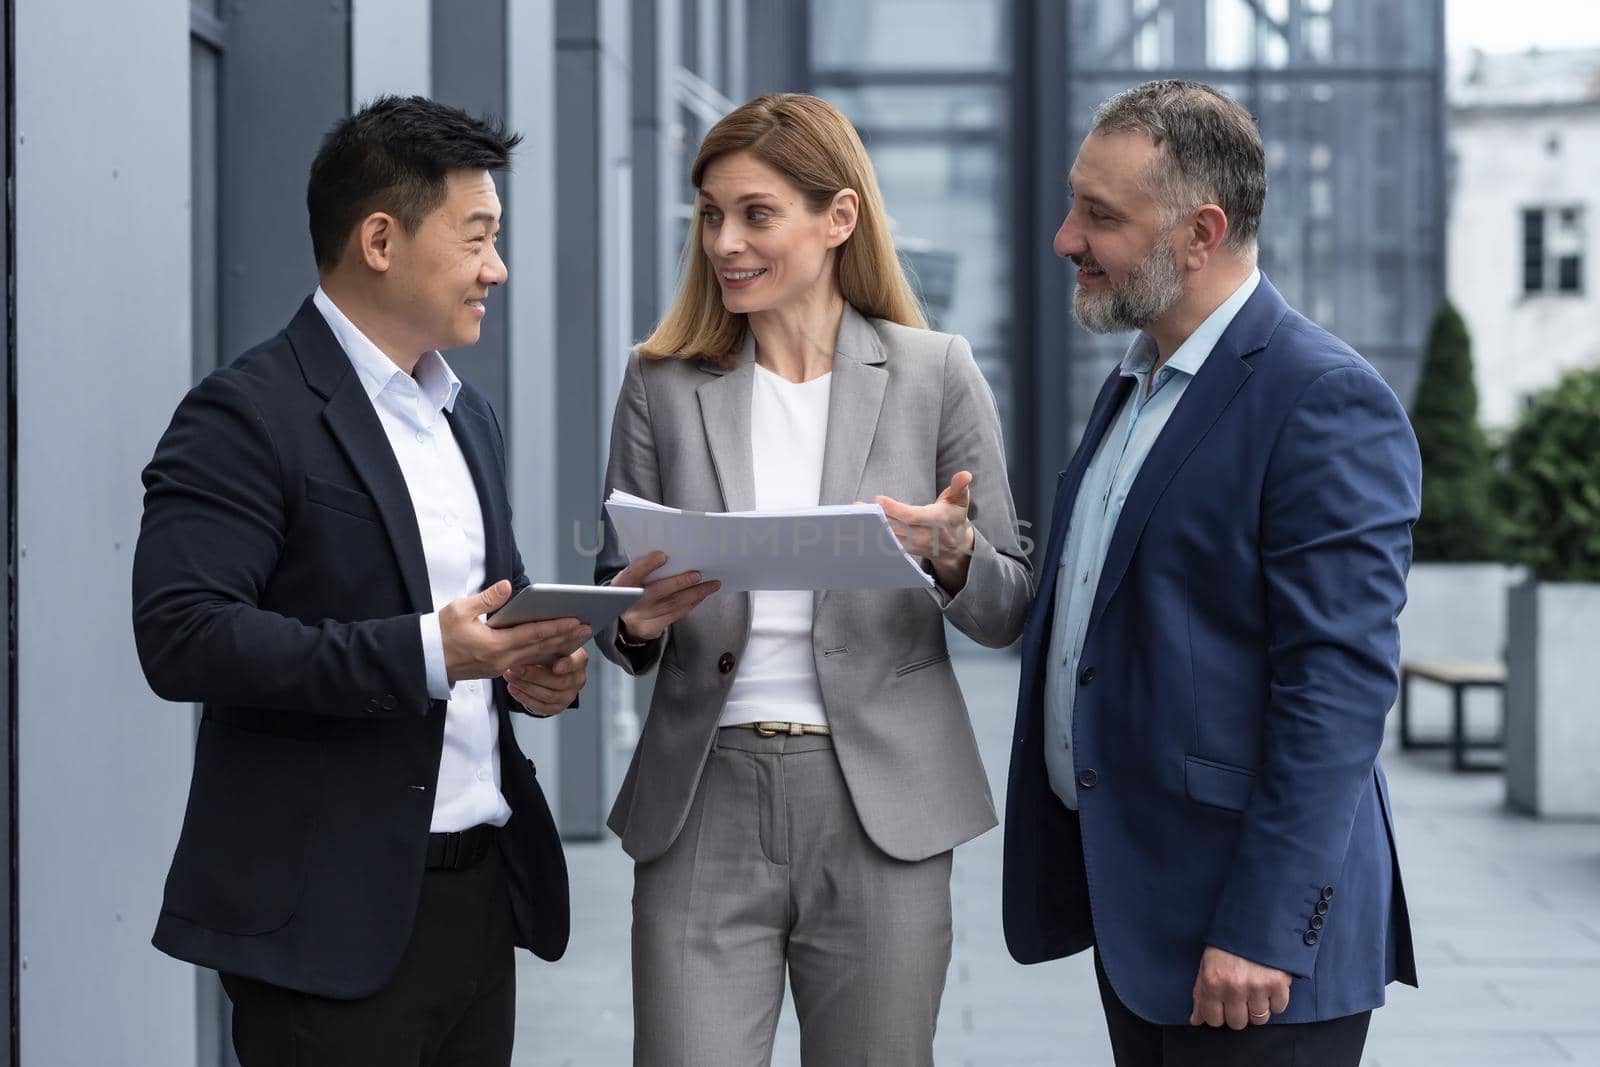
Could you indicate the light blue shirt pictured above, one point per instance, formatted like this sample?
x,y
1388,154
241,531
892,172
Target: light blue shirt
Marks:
x,y
1105,487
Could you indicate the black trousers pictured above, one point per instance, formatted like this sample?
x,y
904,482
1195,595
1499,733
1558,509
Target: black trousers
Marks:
x,y
451,1003
1136,1043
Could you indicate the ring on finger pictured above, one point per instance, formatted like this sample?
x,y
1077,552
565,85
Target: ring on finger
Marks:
x,y
1260,1015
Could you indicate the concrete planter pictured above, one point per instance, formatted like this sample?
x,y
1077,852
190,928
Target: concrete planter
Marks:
x,y
1553,699
1456,611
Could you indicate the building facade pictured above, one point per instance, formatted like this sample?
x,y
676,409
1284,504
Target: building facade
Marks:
x,y
1524,149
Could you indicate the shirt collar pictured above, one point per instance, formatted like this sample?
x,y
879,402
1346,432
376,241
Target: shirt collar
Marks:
x,y
1191,355
434,380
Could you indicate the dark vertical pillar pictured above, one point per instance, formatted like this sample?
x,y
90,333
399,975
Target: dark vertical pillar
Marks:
x,y
777,47
288,80
469,72
1043,87
593,194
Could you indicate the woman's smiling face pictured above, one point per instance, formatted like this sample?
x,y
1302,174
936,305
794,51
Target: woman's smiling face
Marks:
x,y
769,250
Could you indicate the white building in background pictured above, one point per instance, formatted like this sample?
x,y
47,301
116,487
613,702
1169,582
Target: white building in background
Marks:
x,y
1524,219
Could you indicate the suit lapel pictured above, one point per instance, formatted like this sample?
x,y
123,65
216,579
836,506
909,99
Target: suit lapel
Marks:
x,y
725,412
354,424
1213,389
475,436
1106,406
854,401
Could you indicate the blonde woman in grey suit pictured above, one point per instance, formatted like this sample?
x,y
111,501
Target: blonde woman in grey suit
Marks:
x,y
807,765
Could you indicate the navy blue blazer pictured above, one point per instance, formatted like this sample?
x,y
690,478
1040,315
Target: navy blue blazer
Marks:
x,y
1242,654
278,580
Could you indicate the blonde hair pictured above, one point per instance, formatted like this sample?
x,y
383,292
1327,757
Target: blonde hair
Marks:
x,y
816,149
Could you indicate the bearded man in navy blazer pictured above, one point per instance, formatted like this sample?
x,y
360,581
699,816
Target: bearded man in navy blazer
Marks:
x,y
326,522
1195,790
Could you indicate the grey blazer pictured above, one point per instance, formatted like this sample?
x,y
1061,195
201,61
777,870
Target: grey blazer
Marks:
x,y
908,408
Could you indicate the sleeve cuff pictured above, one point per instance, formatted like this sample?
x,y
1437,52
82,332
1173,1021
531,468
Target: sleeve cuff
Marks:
x,y
433,657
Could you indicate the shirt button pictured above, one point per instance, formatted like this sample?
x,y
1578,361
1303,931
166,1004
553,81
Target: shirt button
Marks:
x,y
1085,577
421,437
472,687
483,774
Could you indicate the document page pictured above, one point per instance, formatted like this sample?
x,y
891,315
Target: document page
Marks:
x,y
836,546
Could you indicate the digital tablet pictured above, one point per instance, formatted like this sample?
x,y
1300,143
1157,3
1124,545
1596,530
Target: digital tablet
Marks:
x,y
595,605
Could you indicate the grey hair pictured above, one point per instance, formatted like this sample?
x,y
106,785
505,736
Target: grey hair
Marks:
x,y
1208,151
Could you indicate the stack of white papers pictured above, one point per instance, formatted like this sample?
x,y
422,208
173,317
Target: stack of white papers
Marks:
x,y
837,546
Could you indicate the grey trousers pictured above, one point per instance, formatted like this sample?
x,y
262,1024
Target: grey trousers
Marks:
x,y
773,870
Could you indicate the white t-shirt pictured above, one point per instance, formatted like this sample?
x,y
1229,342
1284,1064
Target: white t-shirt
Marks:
x,y
777,678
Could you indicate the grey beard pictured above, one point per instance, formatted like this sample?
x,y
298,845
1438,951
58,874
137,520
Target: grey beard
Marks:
x,y
1147,294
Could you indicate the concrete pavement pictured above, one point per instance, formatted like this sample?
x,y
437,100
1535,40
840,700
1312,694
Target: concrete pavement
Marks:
x,y
1506,912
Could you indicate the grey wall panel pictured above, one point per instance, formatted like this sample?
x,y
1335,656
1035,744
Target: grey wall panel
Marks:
x,y
469,72
287,81
8,707
390,48
102,254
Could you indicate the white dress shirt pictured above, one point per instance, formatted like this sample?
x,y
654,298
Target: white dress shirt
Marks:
x,y
411,409
1095,513
777,679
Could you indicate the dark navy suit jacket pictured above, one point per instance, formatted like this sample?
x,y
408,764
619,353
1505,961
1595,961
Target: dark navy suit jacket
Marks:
x,y
1241,657
279,580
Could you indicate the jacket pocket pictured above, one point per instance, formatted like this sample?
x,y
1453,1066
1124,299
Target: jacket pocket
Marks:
x,y
346,501
920,664
240,865
1217,785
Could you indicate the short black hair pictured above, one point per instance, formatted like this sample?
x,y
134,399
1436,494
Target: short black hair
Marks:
x,y
393,156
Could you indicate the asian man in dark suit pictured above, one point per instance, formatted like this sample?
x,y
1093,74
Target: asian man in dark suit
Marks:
x,y
1195,789
326,523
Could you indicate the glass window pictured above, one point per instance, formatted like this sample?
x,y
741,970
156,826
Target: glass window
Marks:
x,y
1552,250
942,35
1263,34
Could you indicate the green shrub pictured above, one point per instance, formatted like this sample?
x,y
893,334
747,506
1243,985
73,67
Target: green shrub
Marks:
x,y
1459,521
1552,481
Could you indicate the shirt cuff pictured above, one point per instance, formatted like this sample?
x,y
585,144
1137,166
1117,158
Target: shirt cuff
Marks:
x,y
433,657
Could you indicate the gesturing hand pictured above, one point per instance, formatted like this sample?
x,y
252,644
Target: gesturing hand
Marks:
x,y
1237,992
665,601
548,688
939,532
474,649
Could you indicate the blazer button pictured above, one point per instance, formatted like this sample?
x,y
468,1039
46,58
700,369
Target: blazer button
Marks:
x,y
1086,676
1087,778
725,663
1322,907
372,705
1327,892
1312,937
389,702
1317,921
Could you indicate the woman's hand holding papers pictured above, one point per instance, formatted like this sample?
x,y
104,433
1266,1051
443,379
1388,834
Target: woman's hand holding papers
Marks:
x,y
664,602
938,532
